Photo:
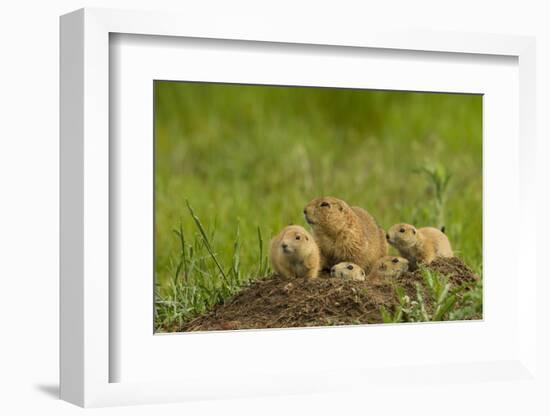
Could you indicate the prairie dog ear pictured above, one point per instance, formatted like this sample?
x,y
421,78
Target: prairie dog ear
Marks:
x,y
306,237
414,230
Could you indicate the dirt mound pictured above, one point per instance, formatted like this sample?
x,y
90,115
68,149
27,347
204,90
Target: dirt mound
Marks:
x,y
275,302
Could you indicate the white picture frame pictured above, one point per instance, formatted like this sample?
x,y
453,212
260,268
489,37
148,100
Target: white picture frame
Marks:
x,y
87,302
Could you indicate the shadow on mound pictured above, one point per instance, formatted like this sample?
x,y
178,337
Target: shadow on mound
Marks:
x,y
276,302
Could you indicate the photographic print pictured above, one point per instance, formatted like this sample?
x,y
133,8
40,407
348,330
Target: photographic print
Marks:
x,y
284,206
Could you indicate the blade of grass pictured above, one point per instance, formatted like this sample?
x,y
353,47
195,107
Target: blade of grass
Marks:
x,y
207,243
235,263
260,252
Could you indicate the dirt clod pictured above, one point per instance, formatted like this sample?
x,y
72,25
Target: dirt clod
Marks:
x,y
275,302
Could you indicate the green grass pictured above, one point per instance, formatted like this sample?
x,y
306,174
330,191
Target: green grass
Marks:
x,y
247,159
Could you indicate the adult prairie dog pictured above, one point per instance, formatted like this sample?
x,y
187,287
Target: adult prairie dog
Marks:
x,y
422,245
294,253
348,271
389,267
344,233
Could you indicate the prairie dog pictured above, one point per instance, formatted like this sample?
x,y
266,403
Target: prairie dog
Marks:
x,y
294,253
347,270
389,267
344,233
422,245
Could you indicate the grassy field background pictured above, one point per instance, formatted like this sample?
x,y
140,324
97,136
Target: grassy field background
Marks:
x,y
248,158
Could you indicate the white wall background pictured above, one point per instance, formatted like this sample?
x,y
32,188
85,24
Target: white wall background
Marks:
x,y
29,99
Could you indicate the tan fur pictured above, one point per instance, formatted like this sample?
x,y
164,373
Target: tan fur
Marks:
x,y
344,233
422,245
300,257
346,270
388,267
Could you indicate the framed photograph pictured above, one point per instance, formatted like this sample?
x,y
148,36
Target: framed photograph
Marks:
x,y
273,212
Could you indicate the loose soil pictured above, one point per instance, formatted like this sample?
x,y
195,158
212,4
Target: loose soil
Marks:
x,y
275,302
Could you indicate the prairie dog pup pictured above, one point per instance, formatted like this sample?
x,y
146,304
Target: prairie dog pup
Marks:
x,y
346,270
422,245
294,253
389,267
345,233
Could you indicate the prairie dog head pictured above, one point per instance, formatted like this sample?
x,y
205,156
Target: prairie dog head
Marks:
x,y
347,270
402,236
327,213
295,241
391,266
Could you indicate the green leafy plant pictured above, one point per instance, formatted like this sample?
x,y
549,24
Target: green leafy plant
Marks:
x,y
469,304
439,179
433,301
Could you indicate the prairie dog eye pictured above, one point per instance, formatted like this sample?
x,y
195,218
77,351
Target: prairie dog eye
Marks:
x,y
324,204
402,230
350,267
298,237
395,260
